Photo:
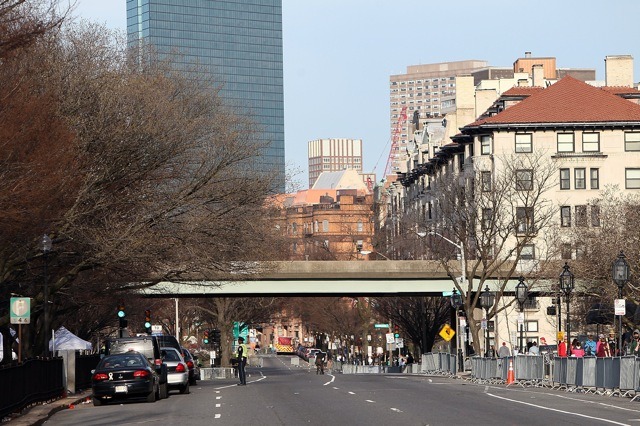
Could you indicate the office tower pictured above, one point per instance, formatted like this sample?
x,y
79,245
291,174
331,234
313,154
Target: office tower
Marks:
x,y
238,44
333,155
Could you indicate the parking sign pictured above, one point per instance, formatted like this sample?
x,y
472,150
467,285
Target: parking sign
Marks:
x,y
20,312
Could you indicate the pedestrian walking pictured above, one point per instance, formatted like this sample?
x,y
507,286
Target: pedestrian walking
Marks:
x,y
319,363
242,361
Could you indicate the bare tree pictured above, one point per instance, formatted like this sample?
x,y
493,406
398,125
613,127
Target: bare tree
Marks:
x,y
493,218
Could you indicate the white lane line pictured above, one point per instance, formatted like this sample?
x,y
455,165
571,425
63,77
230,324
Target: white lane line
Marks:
x,y
218,405
396,410
330,381
368,400
218,397
557,410
336,388
352,393
217,416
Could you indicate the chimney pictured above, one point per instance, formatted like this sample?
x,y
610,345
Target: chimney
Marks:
x,y
527,54
619,70
537,74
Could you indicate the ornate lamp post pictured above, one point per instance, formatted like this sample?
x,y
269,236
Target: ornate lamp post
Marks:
x,y
456,302
522,292
487,298
620,274
45,245
567,285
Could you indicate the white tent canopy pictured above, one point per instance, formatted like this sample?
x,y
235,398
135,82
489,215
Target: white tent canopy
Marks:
x,y
67,341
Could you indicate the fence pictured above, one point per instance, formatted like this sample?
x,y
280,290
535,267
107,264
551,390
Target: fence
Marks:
x,y
439,363
607,376
33,381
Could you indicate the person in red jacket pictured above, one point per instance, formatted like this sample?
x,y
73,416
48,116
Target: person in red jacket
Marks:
x,y
562,347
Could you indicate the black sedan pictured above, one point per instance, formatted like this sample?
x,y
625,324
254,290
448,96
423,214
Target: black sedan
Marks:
x,y
123,376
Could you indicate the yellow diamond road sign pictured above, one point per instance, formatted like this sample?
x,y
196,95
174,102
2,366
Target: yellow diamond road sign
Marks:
x,y
446,332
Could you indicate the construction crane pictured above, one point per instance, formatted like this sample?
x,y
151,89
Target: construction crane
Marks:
x,y
393,152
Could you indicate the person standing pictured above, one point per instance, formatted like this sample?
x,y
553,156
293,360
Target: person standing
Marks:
x,y
562,347
589,345
242,361
504,351
634,346
602,347
613,344
577,350
534,349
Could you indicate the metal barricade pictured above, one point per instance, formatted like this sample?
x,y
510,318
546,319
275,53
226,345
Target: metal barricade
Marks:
x,y
588,374
627,374
572,373
560,373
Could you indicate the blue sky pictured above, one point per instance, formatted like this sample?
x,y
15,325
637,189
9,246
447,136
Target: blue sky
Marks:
x,y
339,54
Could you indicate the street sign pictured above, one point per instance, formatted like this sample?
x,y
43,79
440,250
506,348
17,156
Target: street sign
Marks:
x,y
463,322
156,328
619,307
381,326
390,338
483,324
20,310
447,293
446,332
521,318
400,342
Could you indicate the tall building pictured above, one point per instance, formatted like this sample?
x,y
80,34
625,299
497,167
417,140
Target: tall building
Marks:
x,y
425,91
333,155
236,43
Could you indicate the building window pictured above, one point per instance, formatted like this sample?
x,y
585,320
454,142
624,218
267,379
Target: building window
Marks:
x,y
594,178
528,252
524,220
566,251
591,142
595,216
531,326
325,244
579,179
325,226
524,180
486,181
485,145
565,142
360,226
565,216
294,228
632,178
524,142
487,218
632,141
565,178
315,226
581,215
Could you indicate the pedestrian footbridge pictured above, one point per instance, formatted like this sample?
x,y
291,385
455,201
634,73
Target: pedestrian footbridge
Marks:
x,y
322,278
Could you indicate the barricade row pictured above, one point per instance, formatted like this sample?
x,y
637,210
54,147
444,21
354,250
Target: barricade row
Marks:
x,y
439,363
617,375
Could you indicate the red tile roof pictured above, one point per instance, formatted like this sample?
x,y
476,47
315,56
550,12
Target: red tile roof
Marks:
x,y
522,91
567,101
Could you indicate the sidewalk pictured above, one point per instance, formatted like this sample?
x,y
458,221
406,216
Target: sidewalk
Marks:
x,y
40,413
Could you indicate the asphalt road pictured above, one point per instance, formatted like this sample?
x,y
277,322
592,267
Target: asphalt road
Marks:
x,y
282,394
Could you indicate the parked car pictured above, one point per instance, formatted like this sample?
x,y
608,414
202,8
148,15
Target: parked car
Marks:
x,y
168,341
147,346
123,376
194,370
177,370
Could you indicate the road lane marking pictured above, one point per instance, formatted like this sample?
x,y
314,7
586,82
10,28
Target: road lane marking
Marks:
x,y
396,410
218,397
336,388
352,393
217,416
330,381
557,410
218,405
368,400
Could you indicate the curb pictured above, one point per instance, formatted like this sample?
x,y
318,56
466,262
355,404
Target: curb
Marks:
x,y
37,415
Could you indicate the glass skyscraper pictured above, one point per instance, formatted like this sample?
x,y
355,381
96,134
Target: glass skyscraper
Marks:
x,y
238,42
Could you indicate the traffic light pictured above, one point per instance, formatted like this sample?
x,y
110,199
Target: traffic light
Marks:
x,y
396,332
122,322
205,337
216,336
147,321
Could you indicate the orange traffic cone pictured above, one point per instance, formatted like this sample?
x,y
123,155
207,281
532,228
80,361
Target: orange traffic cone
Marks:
x,y
510,375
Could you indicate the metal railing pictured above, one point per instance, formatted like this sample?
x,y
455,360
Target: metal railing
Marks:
x,y
35,380
441,363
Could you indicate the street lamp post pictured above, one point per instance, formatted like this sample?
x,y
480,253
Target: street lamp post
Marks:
x,y
620,274
45,245
456,302
567,285
522,292
487,298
